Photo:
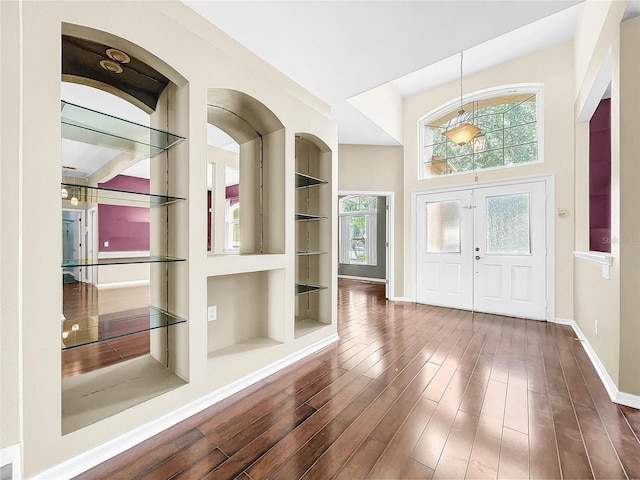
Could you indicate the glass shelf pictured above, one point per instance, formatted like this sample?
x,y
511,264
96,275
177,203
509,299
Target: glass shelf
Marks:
x,y
304,181
73,262
110,196
95,128
305,217
305,252
78,332
304,289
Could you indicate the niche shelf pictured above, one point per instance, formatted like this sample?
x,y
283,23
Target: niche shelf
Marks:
x,y
100,328
112,196
243,326
71,263
306,181
96,128
313,237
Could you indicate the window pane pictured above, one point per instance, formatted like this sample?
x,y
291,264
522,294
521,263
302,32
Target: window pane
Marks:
x,y
463,163
521,154
443,227
489,159
507,120
524,112
357,239
508,224
519,135
358,203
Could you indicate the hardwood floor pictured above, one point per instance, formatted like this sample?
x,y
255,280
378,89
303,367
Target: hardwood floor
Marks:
x,y
409,392
80,300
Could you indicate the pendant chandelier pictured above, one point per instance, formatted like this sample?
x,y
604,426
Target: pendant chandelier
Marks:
x,y
461,130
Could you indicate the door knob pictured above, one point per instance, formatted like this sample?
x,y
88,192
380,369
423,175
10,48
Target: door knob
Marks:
x,y
477,257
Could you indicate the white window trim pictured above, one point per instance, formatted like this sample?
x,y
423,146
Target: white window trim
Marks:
x,y
453,104
229,222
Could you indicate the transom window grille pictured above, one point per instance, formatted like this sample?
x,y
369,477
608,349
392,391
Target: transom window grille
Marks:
x,y
358,230
510,125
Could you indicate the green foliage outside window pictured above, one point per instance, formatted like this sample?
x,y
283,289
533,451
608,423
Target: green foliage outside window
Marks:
x,y
509,124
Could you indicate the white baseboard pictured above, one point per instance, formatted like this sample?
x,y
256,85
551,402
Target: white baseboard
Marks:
x,y
364,279
402,299
89,459
112,285
616,396
11,456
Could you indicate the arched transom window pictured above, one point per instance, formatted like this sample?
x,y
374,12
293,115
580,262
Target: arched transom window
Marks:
x,y
510,123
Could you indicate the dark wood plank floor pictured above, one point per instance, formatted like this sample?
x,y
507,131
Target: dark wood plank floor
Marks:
x,y
80,300
409,392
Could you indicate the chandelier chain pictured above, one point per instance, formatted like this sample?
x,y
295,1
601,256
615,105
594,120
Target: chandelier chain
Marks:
x,y
461,80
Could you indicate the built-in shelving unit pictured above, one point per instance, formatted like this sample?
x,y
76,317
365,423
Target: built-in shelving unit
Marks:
x,y
115,294
313,208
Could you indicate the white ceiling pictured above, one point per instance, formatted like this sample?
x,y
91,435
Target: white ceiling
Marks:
x,y
338,49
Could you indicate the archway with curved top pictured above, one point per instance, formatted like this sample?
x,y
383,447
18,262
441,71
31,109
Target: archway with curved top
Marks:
x,y
260,135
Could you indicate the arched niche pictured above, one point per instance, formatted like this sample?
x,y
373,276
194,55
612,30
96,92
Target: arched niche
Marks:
x,y
261,139
115,65
314,243
92,57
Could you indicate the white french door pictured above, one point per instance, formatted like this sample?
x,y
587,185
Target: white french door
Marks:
x,y
484,249
444,244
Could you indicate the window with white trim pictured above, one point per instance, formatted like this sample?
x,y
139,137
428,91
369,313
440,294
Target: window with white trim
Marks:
x,y
510,122
357,230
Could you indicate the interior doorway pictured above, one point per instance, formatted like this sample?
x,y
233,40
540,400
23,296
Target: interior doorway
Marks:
x,y
484,249
72,244
383,267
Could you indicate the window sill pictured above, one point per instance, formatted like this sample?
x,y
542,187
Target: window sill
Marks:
x,y
596,257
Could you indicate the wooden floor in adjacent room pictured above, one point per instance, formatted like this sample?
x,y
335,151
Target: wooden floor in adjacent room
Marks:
x,y
409,392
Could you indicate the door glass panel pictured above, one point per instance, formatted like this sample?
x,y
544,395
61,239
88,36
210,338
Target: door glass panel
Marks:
x,y
508,225
443,227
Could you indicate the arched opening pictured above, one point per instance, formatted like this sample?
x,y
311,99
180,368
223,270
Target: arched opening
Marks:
x,y
247,203
119,104
314,212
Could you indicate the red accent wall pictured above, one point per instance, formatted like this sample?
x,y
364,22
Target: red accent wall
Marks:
x,y
125,228
600,178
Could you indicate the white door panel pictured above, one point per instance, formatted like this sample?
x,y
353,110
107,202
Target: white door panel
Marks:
x,y
445,236
510,256
483,249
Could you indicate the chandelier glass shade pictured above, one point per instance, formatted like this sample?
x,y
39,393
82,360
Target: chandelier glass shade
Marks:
x,y
462,131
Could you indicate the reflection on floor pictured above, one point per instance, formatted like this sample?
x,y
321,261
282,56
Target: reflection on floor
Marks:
x,y
82,302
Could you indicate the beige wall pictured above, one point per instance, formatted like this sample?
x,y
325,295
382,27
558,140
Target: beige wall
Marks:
x,y
9,225
629,206
553,68
612,302
31,404
377,168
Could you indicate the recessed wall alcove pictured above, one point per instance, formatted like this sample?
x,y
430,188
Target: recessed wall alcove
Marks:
x,y
127,262
261,139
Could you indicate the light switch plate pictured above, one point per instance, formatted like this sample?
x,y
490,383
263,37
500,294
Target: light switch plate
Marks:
x,y
212,313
